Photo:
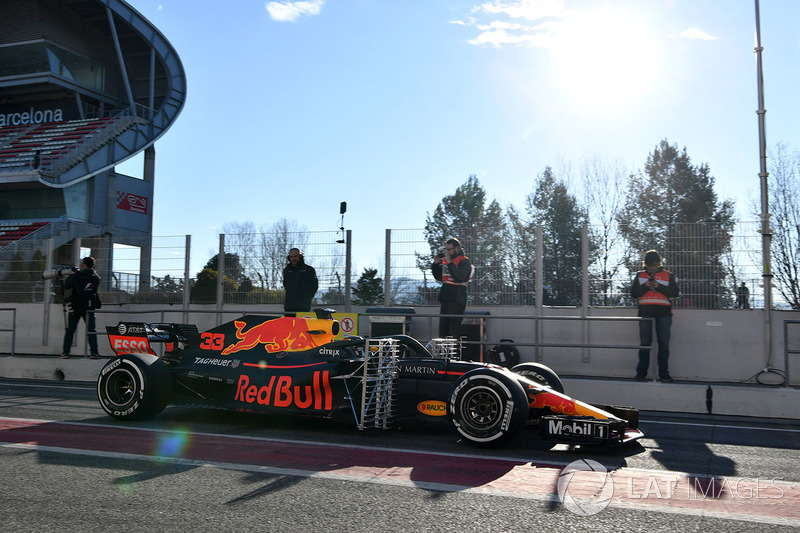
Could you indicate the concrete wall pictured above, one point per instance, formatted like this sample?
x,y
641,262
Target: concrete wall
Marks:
x,y
706,345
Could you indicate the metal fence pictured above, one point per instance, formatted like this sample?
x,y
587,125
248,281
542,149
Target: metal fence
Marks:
x,y
709,269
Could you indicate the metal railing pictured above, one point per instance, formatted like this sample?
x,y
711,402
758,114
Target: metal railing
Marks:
x,y
12,329
787,350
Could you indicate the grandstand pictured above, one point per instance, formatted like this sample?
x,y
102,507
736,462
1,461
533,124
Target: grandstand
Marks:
x,y
84,86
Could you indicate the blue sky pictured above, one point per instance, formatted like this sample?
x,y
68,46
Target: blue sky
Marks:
x,y
390,105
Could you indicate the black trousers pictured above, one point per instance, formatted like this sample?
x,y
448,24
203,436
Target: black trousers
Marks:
x,y
73,317
451,326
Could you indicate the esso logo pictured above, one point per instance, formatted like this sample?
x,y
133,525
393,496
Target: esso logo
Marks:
x,y
131,346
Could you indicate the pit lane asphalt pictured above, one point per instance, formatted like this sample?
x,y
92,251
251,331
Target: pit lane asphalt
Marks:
x,y
53,490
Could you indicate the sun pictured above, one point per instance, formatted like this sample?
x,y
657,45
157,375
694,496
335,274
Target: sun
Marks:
x,y
604,59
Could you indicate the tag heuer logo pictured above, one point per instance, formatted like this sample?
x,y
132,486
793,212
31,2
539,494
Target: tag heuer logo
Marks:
x,y
234,363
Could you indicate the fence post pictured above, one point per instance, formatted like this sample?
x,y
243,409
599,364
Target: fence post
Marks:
x,y
347,269
77,242
537,333
186,278
387,275
220,276
48,284
585,288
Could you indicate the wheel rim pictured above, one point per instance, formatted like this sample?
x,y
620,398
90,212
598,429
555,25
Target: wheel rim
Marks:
x,y
482,410
121,388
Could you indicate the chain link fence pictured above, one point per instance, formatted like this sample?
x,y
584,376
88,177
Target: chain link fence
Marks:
x,y
710,265
709,269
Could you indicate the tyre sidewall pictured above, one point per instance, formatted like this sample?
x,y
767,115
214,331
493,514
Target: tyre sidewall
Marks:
x,y
148,382
540,374
505,396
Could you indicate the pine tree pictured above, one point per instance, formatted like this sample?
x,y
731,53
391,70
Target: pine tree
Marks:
x,y
368,290
466,216
562,218
672,207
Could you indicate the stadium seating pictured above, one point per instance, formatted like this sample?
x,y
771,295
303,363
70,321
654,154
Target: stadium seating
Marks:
x,y
11,232
52,141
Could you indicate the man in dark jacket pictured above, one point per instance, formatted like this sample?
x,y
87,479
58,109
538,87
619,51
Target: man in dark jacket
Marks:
x,y
454,270
653,287
300,282
83,301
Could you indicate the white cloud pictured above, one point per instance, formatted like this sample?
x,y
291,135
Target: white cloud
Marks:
x,y
697,34
525,9
291,11
496,38
499,25
516,22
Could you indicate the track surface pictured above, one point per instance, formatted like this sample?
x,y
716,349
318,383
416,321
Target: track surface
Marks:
x,y
66,464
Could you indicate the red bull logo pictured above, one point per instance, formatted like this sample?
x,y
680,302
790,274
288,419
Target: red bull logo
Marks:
x,y
283,335
280,392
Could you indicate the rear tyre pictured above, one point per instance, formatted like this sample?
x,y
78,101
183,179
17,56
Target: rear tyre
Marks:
x,y
131,387
540,374
487,407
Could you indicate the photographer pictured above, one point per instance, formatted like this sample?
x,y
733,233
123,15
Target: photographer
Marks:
x,y
454,270
653,287
82,302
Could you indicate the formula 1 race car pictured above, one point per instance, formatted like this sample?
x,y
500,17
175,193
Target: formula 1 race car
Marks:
x,y
294,366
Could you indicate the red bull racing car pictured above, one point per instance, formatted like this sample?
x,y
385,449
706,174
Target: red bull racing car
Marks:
x,y
295,366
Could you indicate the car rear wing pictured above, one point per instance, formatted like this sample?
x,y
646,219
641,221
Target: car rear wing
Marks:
x,y
137,337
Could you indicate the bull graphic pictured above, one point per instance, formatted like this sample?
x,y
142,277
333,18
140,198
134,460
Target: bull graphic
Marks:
x,y
286,334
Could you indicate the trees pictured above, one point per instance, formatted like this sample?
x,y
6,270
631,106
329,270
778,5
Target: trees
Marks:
x,y
240,240
22,279
672,207
784,206
205,288
274,243
521,253
466,216
561,217
262,252
604,195
368,290
170,289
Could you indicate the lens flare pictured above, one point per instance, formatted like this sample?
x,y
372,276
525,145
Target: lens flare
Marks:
x,y
172,444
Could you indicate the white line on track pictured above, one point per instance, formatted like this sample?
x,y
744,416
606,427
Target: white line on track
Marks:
x,y
713,425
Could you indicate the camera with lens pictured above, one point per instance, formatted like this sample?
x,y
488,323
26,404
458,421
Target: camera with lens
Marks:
x,y
58,272
440,255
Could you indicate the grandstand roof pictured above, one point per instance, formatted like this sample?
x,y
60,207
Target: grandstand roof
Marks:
x,y
66,63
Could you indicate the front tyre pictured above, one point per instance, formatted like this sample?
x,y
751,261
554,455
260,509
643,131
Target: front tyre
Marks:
x,y
132,387
487,407
540,374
